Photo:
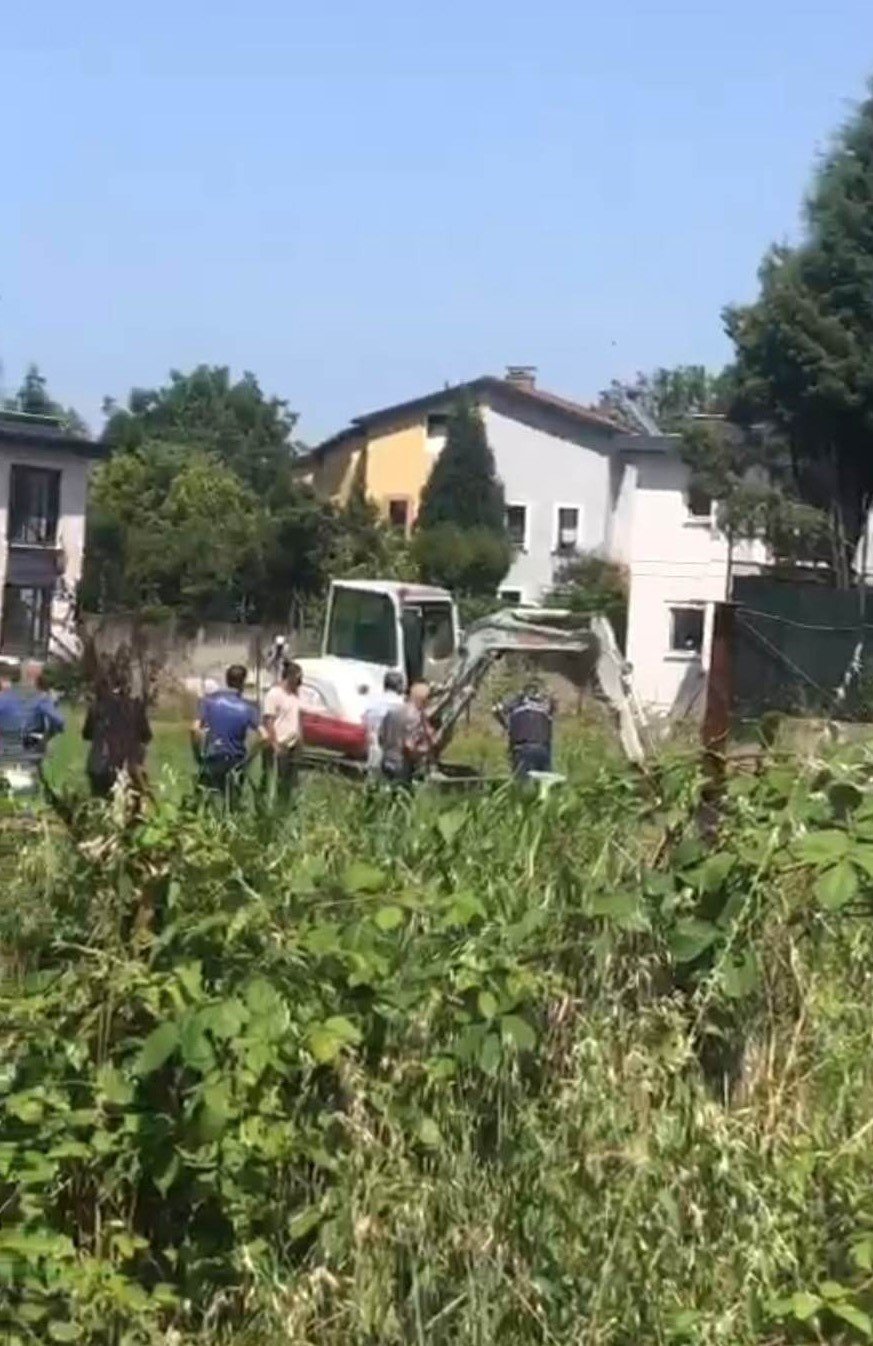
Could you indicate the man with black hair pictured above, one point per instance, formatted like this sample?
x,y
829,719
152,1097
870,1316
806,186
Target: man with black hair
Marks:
x,y
528,719
281,732
219,735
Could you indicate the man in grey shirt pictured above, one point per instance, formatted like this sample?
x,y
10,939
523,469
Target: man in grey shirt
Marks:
x,y
405,736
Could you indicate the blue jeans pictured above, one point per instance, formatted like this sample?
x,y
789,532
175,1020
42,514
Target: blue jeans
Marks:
x,y
528,757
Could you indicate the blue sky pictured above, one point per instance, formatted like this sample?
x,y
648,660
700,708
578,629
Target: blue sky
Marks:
x,y
360,201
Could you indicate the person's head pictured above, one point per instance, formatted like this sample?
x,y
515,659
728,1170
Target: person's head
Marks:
x,y
31,673
418,694
533,687
394,682
292,675
235,677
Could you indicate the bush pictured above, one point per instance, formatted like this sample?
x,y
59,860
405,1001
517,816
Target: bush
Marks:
x,y
469,561
398,1071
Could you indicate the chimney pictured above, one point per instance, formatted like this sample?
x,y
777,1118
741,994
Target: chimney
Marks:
x,y
522,376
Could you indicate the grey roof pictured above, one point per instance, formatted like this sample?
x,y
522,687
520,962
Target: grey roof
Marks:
x,y
576,412
45,432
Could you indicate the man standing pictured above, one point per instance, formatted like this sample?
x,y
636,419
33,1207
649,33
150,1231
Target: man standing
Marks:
x,y
392,697
219,734
27,719
405,736
528,719
281,732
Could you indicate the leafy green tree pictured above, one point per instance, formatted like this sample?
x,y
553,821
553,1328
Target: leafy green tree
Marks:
x,y
171,529
33,397
666,397
251,436
463,487
804,348
470,561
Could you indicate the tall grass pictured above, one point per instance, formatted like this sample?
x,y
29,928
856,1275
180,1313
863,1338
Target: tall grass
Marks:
x,y
505,1070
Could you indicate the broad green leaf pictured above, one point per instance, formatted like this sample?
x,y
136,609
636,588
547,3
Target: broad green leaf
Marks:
x,y
823,848
490,1053
519,1031
327,1040
190,975
487,1004
113,1087
691,938
59,1331
194,1046
262,998
26,1107
836,886
450,824
360,877
158,1046
832,1290
623,909
429,1133
714,870
31,1313
214,1112
850,1313
305,1221
740,979
862,856
804,1305
862,1254
224,1020
165,1178
464,909
388,918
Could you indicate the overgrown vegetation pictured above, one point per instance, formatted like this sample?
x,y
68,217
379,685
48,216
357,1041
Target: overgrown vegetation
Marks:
x,y
511,1070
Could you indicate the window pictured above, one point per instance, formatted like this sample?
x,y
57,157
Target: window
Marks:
x,y
699,503
567,539
511,596
26,621
34,502
516,526
363,625
437,425
686,630
398,514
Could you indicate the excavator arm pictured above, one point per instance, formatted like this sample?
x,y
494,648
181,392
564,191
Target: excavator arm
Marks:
x,y
533,632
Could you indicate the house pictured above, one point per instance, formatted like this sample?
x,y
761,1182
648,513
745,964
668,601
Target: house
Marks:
x,y
552,455
43,485
678,565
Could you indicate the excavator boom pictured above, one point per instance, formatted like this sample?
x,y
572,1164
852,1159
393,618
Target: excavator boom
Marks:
x,y
538,631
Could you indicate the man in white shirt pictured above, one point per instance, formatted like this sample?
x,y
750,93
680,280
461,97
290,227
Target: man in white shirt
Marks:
x,y
375,714
281,731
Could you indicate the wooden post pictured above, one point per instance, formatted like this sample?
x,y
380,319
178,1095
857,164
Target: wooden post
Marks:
x,y
719,696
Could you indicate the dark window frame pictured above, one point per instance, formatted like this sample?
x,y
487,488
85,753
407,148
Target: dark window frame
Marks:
x,y
699,504
517,544
33,637
402,526
687,633
34,505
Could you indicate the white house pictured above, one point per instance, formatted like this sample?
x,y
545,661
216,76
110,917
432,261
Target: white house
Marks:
x,y
43,486
665,533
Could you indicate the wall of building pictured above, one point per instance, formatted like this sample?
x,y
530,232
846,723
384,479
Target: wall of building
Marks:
x,y
398,464
674,560
542,468
71,526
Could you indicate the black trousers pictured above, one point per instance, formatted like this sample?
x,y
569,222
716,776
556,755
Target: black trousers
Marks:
x,y
527,757
222,776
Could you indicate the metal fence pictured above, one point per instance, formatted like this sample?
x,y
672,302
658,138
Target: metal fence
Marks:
x,y
802,649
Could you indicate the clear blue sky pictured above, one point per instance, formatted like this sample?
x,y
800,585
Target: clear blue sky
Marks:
x,y
359,201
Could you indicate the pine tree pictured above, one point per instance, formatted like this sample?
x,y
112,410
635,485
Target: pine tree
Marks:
x,y
463,488
805,347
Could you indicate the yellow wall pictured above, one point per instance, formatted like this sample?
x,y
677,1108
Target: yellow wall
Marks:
x,y
398,464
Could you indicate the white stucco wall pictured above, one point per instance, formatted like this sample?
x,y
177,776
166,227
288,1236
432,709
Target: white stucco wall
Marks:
x,y
541,468
674,560
71,521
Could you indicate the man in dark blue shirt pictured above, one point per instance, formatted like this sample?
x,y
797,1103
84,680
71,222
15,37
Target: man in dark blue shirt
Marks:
x,y
28,719
528,720
224,721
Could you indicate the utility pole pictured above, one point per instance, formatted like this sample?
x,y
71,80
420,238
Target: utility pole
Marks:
x,y
719,699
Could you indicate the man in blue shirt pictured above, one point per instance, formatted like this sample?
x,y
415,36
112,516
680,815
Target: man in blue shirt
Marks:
x,y
527,719
224,721
28,719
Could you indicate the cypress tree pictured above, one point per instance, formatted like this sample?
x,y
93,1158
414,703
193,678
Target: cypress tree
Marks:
x,y
463,488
